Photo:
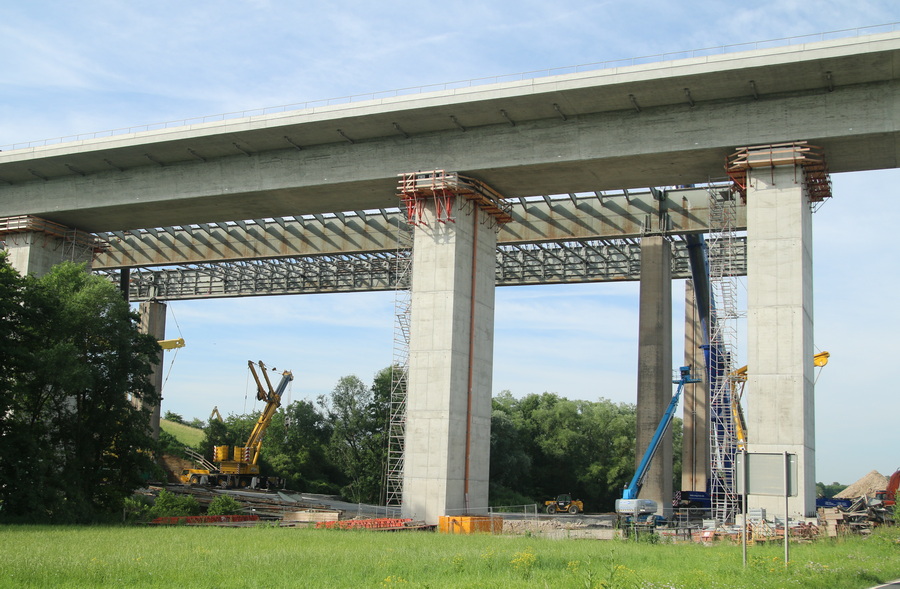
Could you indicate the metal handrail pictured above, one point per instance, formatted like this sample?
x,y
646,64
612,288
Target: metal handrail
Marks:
x,y
521,76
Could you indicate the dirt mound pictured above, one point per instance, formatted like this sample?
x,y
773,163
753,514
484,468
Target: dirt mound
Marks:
x,y
874,481
173,466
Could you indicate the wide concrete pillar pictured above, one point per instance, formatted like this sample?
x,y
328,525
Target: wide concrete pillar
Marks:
x,y
655,366
780,408
35,245
153,321
695,444
447,460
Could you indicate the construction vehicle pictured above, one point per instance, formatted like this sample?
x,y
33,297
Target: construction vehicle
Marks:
x,y
888,496
564,504
630,508
238,466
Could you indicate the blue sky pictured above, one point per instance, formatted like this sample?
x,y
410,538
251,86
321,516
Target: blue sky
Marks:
x,y
72,68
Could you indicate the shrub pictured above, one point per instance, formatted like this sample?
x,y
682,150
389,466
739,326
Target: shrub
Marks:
x,y
224,505
136,509
171,505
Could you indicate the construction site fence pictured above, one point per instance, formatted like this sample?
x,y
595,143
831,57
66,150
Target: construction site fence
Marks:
x,y
383,511
530,509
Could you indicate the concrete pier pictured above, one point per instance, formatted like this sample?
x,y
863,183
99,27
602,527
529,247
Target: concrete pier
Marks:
x,y
780,408
695,449
447,462
654,382
153,321
35,245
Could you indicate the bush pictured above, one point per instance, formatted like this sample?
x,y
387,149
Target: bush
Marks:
x,y
224,505
171,505
136,509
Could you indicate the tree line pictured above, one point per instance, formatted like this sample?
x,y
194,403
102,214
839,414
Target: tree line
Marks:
x,y
541,445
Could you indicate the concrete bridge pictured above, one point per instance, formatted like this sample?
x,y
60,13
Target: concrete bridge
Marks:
x,y
661,124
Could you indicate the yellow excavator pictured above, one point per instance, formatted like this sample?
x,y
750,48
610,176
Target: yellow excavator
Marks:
x,y
738,380
238,466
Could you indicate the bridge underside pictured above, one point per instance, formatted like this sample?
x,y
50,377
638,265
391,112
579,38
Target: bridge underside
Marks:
x,y
170,206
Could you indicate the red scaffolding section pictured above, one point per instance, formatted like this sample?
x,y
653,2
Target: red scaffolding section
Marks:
x,y
809,158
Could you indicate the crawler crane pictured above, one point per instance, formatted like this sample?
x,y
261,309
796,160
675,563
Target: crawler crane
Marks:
x,y
239,466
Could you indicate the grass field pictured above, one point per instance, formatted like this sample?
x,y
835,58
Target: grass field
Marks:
x,y
187,435
285,557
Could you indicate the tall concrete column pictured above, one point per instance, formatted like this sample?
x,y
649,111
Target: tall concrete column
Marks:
x,y
695,448
153,321
655,366
780,409
447,462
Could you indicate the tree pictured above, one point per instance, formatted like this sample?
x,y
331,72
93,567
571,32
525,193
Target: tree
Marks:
x,y
358,419
74,446
544,445
295,447
174,417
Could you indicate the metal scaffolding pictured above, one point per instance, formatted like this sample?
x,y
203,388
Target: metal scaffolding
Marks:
x,y
399,366
723,343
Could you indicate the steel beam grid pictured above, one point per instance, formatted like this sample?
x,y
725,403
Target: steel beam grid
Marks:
x,y
520,264
579,217
313,274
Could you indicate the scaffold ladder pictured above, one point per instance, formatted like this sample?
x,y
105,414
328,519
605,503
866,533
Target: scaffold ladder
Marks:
x,y
723,342
399,365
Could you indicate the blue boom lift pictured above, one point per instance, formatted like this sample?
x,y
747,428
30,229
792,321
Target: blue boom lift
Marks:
x,y
629,504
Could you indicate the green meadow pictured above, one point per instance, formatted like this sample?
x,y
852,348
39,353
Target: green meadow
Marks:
x,y
187,435
265,556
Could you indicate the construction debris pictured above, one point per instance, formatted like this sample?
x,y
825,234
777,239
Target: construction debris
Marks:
x,y
267,506
204,520
382,524
311,516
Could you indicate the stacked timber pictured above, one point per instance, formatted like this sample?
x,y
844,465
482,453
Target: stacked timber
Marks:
x,y
268,506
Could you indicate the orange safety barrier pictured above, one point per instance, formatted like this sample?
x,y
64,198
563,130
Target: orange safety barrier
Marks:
x,y
364,524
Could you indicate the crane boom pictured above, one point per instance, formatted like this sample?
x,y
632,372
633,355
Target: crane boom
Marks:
x,y
634,487
273,402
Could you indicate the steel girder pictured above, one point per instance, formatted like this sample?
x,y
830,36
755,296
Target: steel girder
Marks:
x,y
519,264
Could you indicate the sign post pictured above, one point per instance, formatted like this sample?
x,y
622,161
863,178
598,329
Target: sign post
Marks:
x,y
769,474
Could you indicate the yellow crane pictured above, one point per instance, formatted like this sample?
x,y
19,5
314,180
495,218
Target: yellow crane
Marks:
x,y
238,466
739,376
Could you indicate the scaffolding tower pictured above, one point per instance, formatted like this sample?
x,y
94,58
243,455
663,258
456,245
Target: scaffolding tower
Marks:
x,y
724,314
399,366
